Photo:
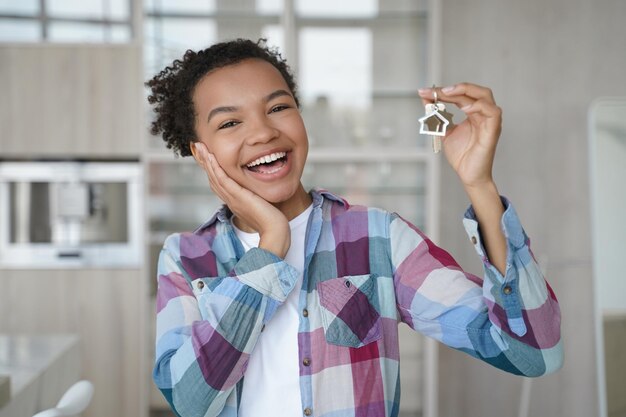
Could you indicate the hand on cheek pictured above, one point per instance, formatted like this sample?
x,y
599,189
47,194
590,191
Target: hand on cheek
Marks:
x,y
250,209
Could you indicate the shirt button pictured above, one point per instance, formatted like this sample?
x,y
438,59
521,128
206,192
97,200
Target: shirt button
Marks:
x,y
305,312
308,411
507,290
474,240
200,285
306,361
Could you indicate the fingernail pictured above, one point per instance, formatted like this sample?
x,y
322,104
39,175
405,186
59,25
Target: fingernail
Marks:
x,y
448,89
201,149
466,108
423,90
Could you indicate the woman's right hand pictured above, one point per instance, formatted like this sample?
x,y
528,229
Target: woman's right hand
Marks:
x,y
250,209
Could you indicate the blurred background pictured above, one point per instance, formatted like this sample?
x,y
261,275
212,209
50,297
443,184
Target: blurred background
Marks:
x,y
87,195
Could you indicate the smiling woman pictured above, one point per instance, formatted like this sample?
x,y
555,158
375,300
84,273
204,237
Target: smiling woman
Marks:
x,y
302,284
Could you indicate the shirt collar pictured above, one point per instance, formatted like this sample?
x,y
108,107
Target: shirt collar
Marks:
x,y
223,214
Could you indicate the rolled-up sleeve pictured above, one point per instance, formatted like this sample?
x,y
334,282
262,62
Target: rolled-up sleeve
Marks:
x,y
510,321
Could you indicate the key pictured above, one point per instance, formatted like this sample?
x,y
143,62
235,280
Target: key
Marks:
x,y
435,123
436,142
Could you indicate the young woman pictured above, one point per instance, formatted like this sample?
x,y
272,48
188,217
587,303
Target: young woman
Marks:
x,y
287,302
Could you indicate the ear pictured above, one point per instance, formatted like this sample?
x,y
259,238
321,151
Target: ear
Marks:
x,y
196,152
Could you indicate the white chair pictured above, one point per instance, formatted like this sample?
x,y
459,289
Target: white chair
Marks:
x,y
73,402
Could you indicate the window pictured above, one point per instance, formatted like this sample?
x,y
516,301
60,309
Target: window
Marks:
x,y
97,21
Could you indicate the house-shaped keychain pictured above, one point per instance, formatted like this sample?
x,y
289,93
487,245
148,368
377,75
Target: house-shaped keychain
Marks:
x,y
434,123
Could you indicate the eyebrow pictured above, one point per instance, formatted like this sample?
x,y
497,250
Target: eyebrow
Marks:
x,y
277,93
223,109
230,109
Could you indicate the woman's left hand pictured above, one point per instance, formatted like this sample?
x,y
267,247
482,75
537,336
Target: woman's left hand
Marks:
x,y
470,146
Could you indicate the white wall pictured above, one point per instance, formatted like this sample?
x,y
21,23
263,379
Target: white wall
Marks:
x,y
546,61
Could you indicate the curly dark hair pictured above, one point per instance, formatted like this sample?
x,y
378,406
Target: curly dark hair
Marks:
x,y
172,88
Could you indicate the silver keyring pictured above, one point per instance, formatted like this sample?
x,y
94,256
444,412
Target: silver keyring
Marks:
x,y
435,95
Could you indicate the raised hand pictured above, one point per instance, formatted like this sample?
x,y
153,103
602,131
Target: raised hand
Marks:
x,y
471,145
470,148
250,210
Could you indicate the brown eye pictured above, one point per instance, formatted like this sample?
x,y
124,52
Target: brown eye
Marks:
x,y
228,124
278,108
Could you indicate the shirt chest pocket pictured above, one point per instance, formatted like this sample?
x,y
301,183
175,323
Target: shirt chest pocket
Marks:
x,y
349,307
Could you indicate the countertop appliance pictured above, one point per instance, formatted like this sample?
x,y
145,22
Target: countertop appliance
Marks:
x,y
70,214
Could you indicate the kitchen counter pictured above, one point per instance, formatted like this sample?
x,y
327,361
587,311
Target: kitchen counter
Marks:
x,y
40,367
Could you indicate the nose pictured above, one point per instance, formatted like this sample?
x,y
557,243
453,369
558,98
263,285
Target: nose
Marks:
x,y
261,130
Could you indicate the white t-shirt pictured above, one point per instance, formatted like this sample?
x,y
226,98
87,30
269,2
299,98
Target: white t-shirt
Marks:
x,y
272,380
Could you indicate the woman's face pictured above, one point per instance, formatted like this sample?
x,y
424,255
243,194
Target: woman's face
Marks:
x,y
248,118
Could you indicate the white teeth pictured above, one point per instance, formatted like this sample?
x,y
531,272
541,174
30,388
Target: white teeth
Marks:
x,y
266,159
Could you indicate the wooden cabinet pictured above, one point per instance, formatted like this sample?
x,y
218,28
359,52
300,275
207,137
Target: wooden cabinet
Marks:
x,y
79,102
106,308
63,101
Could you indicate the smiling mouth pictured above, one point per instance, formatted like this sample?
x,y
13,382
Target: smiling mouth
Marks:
x,y
268,164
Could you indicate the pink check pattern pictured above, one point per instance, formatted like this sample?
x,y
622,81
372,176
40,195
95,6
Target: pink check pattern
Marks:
x,y
366,270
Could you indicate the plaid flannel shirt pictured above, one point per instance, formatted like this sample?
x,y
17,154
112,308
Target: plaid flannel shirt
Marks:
x,y
365,271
